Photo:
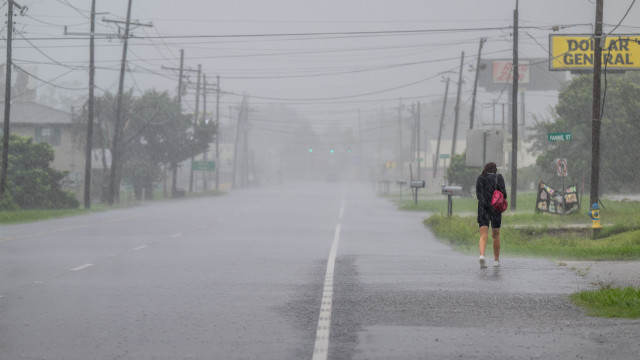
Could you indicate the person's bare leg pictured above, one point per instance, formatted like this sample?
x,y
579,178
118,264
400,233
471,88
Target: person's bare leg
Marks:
x,y
484,235
495,233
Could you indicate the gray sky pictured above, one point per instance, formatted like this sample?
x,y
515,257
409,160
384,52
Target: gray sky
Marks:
x,y
324,77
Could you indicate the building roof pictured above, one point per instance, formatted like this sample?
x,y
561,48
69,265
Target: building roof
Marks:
x,y
31,113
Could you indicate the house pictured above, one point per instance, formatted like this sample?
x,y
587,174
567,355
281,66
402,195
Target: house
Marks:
x,y
55,127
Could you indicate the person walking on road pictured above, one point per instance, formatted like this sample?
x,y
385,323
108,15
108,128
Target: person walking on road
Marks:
x,y
486,183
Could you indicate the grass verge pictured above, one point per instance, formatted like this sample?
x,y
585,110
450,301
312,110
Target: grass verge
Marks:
x,y
610,302
26,216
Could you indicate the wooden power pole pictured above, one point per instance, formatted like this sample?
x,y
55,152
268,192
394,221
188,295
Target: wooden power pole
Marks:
x,y
595,109
514,113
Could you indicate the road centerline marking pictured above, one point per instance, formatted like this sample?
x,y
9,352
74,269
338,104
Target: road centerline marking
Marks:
x,y
139,247
321,346
81,267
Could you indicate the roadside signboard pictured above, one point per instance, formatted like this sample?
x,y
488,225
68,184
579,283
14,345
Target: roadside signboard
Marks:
x,y
575,52
503,72
445,156
203,165
553,201
564,136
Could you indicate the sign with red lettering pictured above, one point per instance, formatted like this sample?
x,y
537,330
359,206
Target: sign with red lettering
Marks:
x,y
503,72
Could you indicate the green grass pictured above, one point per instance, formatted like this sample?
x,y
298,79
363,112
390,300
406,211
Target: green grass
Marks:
x,y
610,302
539,238
25,216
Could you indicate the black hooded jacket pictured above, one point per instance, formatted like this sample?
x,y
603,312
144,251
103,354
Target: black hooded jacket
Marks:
x,y
485,185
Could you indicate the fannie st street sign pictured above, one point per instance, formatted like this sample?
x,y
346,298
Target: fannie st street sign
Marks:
x,y
560,136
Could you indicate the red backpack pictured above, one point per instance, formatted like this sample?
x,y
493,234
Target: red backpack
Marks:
x,y
498,201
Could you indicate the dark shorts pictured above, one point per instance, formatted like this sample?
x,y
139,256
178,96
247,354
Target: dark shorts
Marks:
x,y
490,217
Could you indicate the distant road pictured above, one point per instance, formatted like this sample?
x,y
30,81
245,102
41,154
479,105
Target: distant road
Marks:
x,y
298,271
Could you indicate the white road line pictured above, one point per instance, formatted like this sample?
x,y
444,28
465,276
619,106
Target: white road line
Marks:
x,y
82,267
321,346
204,226
139,248
176,235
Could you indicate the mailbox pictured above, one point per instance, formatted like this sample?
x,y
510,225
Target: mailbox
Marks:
x,y
417,183
451,190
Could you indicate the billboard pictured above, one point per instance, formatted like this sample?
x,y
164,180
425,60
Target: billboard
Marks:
x,y
533,75
575,52
503,72
484,146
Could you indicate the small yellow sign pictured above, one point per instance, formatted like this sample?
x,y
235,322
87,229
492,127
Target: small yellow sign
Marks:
x,y
575,52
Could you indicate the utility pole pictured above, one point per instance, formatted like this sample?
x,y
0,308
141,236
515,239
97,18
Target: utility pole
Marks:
x,y
174,163
457,109
114,178
418,159
195,121
360,149
239,132
92,74
475,84
514,113
595,109
217,132
444,108
7,101
399,161
206,176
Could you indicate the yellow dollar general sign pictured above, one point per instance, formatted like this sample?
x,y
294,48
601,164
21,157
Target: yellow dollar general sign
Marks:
x,y
575,52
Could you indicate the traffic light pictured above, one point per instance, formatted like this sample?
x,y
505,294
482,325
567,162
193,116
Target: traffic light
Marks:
x,y
310,150
349,150
331,151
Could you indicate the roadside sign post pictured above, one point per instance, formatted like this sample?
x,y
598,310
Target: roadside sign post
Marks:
x,y
561,163
445,157
203,165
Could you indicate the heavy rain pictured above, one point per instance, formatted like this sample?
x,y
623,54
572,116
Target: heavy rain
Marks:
x,y
314,179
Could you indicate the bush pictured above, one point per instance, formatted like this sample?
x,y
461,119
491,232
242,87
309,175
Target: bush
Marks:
x,y
31,182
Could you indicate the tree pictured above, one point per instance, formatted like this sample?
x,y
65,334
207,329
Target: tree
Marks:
x,y
31,182
619,144
154,133
458,173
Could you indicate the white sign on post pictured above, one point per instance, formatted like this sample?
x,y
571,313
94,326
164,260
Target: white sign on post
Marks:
x,y
484,146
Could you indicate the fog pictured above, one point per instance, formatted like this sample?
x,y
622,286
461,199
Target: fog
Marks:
x,y
319,74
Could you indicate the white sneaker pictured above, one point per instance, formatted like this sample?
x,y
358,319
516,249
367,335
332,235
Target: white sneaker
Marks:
x,y
482,262
496,263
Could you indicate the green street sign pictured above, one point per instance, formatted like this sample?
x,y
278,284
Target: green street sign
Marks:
x,y
566,136
444,156
203,165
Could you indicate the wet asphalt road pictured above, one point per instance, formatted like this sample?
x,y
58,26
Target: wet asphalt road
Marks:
x,y
242,277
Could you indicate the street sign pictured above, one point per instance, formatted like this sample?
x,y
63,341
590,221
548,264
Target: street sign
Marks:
x,y
390,164
565,136
561,167
203,165
445,156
